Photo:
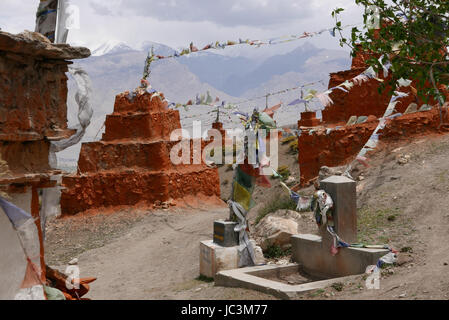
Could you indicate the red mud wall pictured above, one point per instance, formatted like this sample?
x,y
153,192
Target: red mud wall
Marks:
x,y
334,149
33,86
132,163
363,100
218,126
25,157
414,125
308,119
35,98
33,94
340,146
140,118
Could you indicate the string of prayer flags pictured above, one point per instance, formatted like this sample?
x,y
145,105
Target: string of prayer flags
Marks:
x,y
257,43
297,101
345,86
246,176
270,111
371,144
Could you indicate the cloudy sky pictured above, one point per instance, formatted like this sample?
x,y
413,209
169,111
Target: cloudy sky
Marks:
x,y
177,22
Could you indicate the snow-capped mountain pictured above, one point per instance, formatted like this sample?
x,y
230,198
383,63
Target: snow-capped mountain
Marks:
x,y
117,47
110,47
159,49
117,66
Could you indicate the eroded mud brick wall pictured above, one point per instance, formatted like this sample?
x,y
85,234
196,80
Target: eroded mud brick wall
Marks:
x,y
33,86
132,164
218,126
26,157
340,146
319,149
364,99
33,95
361,100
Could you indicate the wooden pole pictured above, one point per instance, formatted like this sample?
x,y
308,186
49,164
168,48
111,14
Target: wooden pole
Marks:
x,y
37,219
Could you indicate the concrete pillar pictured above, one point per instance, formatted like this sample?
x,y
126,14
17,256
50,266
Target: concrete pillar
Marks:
x,y
313,252
343,192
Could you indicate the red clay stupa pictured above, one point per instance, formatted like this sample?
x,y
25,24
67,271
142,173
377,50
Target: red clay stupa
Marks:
x,y
131,164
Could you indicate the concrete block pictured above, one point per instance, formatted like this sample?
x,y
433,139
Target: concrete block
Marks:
x,y
214,258
224,234
314,256
343,193
253,278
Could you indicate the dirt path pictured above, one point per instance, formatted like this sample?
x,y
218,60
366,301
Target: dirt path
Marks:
x,y
156,256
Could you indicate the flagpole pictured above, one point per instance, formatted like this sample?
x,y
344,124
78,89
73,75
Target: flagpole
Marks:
x,y
57,21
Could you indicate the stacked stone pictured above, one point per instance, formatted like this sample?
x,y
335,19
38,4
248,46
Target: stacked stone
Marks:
x,y
131,164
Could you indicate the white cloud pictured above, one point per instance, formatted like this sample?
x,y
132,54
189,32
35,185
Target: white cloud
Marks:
x,y
177,22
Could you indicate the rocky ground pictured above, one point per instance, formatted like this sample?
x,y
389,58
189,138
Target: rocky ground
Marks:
x,y
402,201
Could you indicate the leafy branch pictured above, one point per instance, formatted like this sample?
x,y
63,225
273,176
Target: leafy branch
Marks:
x,y
410,34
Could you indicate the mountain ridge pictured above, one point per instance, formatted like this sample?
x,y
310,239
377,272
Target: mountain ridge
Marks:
x,y
116,67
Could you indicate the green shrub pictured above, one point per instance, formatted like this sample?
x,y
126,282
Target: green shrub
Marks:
x,y
293,147
284,172
337,286
289,139
275,251
406,249
204,278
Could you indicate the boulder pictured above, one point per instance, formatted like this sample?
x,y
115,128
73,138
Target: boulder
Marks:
x,y
403,259
326,172
403,159
277,228
290,180
274,230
